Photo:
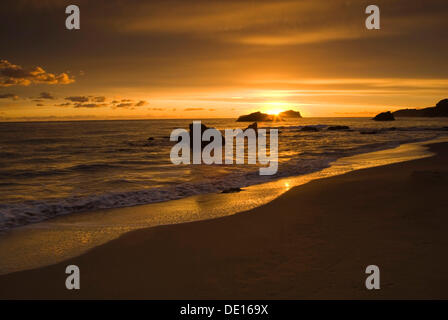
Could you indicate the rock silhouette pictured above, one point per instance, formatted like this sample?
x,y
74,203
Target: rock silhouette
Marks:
x,y
252,126
338,128
256,116
203,128
309,129
260,116
232,190
290,114
384,116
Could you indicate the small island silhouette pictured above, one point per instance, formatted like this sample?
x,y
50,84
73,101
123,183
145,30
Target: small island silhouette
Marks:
x,y
260,116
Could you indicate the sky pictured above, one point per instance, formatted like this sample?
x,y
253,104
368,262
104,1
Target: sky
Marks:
x,y
219,59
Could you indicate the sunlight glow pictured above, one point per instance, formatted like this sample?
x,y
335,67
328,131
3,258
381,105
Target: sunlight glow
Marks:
x,y
274,111
275,108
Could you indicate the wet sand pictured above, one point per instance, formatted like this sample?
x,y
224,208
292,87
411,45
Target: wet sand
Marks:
x,y
313,242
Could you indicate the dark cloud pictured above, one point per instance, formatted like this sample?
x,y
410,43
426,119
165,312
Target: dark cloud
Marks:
x,y
90,105
141,103
193,109
46,95
77,99
124,105
11,74
9,96
99,99
39,105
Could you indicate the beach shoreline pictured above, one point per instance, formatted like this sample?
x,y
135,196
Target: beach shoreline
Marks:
x,y
65,237
312,242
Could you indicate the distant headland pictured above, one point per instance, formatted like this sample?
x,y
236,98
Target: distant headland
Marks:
x,y
260,116
439,110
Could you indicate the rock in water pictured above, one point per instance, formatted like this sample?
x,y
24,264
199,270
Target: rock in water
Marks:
x,y
337,128
384,116
309,129
203,143
232,190
260,116
252,126
290,114
256,116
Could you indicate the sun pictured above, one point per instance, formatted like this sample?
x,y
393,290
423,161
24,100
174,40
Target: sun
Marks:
x,y
274,112
274,108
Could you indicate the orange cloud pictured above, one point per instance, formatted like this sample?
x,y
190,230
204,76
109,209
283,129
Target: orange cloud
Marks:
x,y
193,109
13,75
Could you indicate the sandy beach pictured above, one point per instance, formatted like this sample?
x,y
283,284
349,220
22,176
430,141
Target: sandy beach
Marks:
x,y
313,242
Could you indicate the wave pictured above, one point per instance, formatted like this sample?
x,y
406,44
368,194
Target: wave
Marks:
x,y
362,129
32,211
93,167
17,214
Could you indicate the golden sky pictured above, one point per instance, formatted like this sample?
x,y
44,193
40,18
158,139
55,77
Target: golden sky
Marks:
x,y
212,59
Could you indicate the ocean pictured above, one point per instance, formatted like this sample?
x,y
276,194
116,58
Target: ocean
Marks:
x,y
49,169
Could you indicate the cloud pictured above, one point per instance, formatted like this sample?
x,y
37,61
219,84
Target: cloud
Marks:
x,y
127,103
141,103
281,22
46,95
193,109
305,37
99,99
90,105
77,99
9,96
63,104
39,105
267,23
320,86
156,109
124,105
11,75
208,16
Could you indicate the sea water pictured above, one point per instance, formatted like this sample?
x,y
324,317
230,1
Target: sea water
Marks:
x,y
48,169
